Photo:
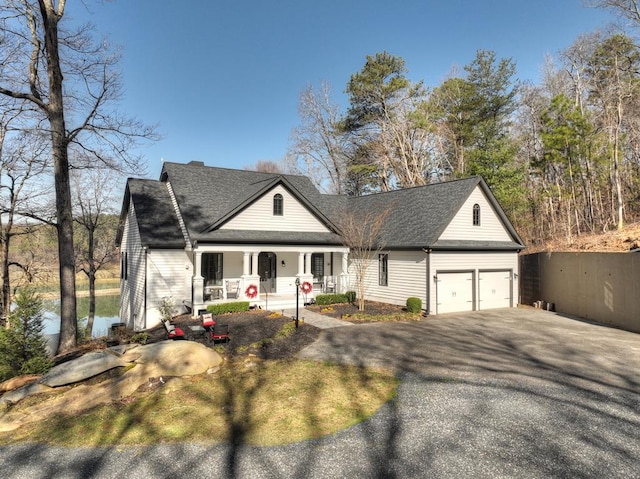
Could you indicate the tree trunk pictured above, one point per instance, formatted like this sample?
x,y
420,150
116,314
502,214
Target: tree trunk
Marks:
x,y
59,142
616,167
6,283
92,285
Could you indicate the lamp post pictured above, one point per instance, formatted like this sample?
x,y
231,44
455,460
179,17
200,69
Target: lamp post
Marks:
x,y
297,300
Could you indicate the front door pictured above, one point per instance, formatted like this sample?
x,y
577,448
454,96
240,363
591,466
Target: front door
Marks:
x,y
267,271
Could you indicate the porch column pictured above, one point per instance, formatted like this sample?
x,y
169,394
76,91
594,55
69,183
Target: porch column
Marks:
x,y
198,281
250,275
254,264
300,264
307,264
344,274
245,263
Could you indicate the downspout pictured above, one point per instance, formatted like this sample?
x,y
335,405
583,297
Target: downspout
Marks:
x,y
427,251
145,249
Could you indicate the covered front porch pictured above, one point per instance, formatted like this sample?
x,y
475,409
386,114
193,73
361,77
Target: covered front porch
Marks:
x,y
266,275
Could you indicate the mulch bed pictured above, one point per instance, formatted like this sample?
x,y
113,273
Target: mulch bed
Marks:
x,y
345,311
246,330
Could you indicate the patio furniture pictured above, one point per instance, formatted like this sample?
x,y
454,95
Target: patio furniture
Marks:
x,y
213,292
173,332
233,288
330,284
214,332
219,333
208,323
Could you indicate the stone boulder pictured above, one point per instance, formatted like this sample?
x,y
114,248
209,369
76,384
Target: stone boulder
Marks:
x,y
166,358
21,393
83,368
174,358
18,382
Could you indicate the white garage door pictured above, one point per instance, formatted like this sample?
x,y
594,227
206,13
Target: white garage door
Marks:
x,y
454,292
494,290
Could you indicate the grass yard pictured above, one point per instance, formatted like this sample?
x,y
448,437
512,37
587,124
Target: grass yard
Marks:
x,y
261,395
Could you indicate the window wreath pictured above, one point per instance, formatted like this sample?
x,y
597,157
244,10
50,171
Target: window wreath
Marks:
x,y
306,287
251,291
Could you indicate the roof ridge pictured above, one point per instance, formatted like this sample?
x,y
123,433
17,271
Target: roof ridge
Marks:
x,y
201,164
409,188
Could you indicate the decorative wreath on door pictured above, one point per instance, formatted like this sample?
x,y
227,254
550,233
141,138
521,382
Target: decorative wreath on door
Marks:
x,y
251,291
306,287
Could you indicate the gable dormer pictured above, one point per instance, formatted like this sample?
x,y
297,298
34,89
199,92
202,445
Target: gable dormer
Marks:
x,y
476,220
276,210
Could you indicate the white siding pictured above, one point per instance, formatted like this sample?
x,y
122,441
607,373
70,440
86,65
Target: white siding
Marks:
x,y
490,228
169,273
259,215
132,289
406,278
472,261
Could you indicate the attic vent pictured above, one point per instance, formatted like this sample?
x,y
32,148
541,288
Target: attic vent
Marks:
x,y
196,163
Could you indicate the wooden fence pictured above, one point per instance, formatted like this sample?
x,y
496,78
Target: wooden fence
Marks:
x,y
603,287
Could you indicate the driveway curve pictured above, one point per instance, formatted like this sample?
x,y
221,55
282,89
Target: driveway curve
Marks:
x,y
502,393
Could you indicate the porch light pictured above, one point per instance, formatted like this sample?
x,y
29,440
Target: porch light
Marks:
x,y
297,300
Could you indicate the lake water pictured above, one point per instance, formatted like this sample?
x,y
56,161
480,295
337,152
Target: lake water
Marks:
x,y
107,310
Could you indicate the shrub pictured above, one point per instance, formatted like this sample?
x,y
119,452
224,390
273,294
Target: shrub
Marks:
x,y
414,305
23,349
235,307
325,299
166,308
140,338
351,296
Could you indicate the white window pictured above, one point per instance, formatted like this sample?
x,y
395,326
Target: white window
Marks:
x,y
278,208
476,215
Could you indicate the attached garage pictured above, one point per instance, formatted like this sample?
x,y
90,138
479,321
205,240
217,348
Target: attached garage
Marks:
x,y
494,289
454,291
457,291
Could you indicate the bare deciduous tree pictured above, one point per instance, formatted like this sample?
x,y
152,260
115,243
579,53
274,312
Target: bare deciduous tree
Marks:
x,y
23,158
72,82
267,166
94,213
318,149
362,231
629,9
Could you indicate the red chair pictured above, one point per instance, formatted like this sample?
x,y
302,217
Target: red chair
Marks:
x,y
220,332
173,332
214,332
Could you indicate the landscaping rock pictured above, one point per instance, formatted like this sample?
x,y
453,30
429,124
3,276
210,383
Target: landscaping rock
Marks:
x,y
153,361
175,358
18,382
120,349
18,394
84,367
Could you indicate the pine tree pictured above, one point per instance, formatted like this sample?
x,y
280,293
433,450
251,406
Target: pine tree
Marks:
x,y
23,349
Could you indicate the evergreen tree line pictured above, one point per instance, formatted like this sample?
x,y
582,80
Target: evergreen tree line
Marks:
x,y
562,157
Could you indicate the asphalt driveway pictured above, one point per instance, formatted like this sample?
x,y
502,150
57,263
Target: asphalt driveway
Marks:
x,y
503,393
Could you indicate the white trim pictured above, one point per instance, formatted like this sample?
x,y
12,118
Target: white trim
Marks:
x,y
254,248
176,208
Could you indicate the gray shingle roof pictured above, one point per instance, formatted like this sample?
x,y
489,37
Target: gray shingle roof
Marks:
x,y
419,215
208,196
157,222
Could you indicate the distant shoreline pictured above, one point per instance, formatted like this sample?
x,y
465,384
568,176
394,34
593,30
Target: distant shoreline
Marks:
x,y
84,293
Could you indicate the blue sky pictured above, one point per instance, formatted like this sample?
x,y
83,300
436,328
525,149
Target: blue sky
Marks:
x,y
222,78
